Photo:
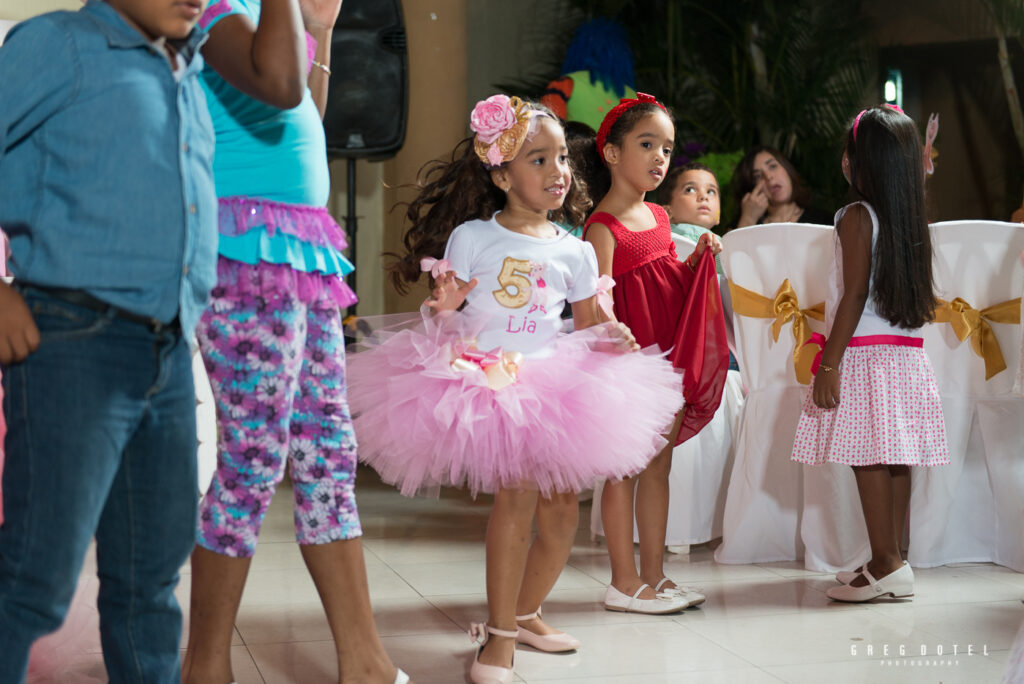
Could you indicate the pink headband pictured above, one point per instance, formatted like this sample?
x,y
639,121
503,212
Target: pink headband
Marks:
x,y
856,122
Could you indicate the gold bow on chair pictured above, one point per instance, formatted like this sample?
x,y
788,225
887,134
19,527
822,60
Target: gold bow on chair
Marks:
x,y
785,307
968,322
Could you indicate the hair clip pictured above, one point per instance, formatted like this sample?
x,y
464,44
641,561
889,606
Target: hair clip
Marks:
x,y
500,124
930,132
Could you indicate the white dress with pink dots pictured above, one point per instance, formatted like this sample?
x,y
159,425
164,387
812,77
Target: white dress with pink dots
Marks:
x,y
889,407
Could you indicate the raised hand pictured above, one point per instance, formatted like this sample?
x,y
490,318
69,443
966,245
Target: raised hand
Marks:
x,y
753,205
449,292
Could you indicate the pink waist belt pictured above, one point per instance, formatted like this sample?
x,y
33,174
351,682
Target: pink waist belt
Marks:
x,y
863,341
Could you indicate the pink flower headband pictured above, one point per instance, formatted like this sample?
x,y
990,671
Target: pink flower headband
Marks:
x,y
500,124
856,122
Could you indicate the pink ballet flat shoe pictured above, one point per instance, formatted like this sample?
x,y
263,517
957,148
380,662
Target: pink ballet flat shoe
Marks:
x,y
692,596
549,643
489,674
662,604
846,576
897,584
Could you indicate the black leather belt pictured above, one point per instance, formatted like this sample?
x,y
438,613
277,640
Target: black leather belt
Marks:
x,y
87,301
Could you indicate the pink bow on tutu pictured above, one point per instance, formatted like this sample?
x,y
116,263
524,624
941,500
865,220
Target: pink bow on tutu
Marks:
x,y
501,368
604,297
436,267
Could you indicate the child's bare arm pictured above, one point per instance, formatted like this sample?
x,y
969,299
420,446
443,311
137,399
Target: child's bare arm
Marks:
x,y
855,238
319,17
266,62
603,241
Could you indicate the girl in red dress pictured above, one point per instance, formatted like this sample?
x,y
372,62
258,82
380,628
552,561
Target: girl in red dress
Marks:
x,y
664,301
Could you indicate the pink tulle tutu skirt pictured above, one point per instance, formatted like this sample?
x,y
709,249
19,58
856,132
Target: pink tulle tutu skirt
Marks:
x,y
567,420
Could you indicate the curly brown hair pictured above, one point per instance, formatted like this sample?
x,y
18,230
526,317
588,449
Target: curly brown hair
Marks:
x,y
452,192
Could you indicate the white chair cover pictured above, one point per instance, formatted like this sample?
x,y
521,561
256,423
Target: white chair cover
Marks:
x,y
206,423
700,466
778,510
972,509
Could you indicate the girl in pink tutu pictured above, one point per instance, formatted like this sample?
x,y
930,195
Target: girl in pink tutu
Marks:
x,y
486,393
874,404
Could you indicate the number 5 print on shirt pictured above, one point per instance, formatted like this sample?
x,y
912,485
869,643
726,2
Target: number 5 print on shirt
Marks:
x,y
515,284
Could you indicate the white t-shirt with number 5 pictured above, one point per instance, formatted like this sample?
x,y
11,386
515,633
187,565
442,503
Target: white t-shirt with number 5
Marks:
x,y
524,282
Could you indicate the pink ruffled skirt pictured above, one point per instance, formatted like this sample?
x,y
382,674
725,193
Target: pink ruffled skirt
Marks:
x,y
312,225
568,420
889,412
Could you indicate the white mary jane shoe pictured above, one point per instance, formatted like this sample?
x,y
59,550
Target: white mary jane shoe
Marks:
x,y
662,604
847,576
692,596
549,643
401,677
897,584
489,674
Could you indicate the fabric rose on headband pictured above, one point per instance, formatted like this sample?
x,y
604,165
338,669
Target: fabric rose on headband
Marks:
x,y
500,124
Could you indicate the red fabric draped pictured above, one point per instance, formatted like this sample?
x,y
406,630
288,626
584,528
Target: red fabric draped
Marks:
x,y
665,303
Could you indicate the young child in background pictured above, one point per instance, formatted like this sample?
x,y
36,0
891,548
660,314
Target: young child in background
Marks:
x,y
492,397
874,404
107,197
666,302
691,198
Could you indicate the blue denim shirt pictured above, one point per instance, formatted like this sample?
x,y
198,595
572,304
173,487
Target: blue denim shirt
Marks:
x,y
106,181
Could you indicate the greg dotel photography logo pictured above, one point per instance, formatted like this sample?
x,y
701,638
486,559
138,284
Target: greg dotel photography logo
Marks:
x,y
906,654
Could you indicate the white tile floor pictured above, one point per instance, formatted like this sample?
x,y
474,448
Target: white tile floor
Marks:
x,y
761,623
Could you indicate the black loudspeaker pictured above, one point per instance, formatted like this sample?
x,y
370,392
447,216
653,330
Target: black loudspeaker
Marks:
x,y
368,98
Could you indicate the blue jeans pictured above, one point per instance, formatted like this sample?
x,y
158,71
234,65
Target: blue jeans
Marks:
x,y
101,441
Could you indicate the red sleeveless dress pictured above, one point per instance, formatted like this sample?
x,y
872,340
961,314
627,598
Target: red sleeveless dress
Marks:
x,y
665,303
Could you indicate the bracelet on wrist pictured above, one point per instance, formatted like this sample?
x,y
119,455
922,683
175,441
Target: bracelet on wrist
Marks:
x,y
825,368
322,67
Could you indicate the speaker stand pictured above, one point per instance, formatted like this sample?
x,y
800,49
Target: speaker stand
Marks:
x,y
351,224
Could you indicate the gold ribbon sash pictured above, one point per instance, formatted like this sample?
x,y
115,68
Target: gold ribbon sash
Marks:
x,y
784,308
968,322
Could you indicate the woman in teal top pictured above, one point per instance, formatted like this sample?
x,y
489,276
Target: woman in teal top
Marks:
x,y
272,339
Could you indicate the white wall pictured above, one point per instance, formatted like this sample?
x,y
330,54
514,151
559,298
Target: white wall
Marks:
x,y
23,9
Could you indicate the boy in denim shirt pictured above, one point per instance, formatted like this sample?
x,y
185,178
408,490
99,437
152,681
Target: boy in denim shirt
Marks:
x,y
106,193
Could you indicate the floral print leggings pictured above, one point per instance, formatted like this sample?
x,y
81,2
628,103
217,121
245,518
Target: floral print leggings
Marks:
x,y
277,368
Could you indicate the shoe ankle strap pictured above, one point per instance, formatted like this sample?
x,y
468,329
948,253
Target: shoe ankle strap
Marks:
x,y
531,616
640,590
478,631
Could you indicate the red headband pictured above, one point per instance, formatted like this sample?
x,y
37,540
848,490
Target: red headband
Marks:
x,y
618,110
856,122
